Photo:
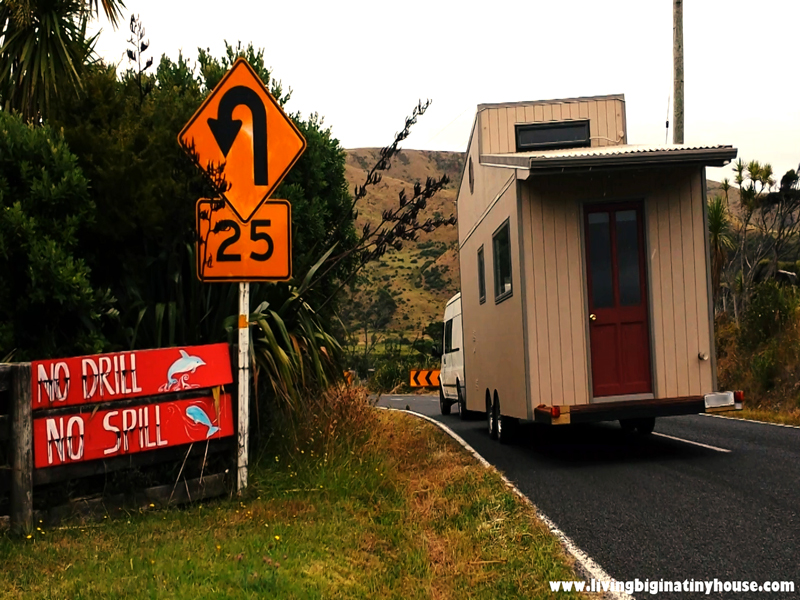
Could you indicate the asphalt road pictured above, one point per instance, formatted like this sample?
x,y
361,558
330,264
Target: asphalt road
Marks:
x,y
655,507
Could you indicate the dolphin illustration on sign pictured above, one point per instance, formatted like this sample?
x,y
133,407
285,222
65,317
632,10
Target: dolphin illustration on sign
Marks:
x,y
198,415
185,365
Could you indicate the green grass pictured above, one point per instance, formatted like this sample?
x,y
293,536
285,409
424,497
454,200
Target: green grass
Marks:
x,y
405,514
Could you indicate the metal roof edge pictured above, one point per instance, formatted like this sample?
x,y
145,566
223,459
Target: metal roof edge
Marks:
x,y
718,156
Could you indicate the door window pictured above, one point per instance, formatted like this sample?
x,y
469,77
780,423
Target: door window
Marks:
x,y
630,289
448,336
600,265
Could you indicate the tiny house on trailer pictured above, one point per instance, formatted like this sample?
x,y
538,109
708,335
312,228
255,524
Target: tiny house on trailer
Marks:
x,y
585,285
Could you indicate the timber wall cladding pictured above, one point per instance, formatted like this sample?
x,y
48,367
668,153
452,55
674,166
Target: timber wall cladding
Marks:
x,y
556,305
489,182
676,262
607,125
679,288
494,328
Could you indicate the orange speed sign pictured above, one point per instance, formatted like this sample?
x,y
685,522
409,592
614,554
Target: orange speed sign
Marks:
x,y
229,249
241,129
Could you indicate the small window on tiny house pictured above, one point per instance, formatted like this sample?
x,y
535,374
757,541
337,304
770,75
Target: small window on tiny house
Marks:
x,y
448,336
501,248
552,136
481,277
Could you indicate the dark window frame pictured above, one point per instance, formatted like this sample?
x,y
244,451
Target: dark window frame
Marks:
x,y
481,275
500,296
448,336
471,176
554,127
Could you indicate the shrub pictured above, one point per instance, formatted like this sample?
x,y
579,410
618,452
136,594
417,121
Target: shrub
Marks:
x,y
48,306
771,307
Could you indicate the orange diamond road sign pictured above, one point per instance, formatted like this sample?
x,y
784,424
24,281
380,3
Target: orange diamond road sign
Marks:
x,y
229,249
242,128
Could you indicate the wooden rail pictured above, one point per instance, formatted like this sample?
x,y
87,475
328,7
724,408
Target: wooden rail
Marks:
x,y
20,433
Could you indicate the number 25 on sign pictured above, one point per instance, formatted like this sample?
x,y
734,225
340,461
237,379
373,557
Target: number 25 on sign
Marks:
x,y
230,249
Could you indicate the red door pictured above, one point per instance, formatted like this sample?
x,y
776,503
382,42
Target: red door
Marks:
x,y
618,324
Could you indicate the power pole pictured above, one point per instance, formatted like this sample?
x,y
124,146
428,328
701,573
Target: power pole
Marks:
x,y
677,66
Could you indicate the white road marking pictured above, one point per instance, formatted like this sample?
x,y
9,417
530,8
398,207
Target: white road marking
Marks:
x,y
671,437
750,421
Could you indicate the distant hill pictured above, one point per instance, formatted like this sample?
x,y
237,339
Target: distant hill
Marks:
x,y
424,274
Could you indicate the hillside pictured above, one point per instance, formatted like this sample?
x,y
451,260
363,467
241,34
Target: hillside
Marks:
x,y
422,276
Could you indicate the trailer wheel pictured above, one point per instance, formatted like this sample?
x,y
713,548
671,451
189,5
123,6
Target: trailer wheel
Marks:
x,y
464,413
444,403
645,426
490,418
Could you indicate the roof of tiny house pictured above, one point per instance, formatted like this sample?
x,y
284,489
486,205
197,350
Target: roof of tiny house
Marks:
x,y
612,156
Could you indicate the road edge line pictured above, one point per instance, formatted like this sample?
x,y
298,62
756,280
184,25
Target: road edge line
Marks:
x,y
588,567
685,441
787,425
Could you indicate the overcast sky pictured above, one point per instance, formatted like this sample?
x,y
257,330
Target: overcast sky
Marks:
x,y
364,64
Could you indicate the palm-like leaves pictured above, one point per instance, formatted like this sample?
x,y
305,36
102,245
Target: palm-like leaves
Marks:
x,y
44,47
291,347
111,8
720,239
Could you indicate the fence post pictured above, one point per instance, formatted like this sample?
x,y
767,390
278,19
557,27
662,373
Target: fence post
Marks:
x,y
21,450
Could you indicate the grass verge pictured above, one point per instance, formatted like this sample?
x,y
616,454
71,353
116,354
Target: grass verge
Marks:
x,y
406,514
785,417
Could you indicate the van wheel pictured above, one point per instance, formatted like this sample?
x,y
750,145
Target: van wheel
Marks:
x,y
491,422
506,426
444,403
463,413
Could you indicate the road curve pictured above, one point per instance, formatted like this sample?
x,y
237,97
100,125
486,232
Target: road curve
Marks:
x,y
707,498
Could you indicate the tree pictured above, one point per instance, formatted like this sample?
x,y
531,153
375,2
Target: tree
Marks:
x,y
123,129
368,312
397,225
754,181
48,305
44,51
721,240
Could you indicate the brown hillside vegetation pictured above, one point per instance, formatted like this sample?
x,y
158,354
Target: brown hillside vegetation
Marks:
x,y
410,274
422,275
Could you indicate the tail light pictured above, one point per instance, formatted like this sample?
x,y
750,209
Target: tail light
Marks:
x,y
738,396
555,411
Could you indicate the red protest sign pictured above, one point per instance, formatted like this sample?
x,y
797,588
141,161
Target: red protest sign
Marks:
x,y
122,375
74,438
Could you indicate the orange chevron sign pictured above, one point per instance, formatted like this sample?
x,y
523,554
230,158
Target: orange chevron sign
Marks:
x,y
424,378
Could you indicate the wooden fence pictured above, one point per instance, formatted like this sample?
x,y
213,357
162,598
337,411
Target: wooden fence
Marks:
x,y
19,477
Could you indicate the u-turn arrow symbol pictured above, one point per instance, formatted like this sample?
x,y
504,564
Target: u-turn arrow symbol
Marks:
x,y
225,128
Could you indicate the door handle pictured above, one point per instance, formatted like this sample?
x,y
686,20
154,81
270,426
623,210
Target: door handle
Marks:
x,y
593,317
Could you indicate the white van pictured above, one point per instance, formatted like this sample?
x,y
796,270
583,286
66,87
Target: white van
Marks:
x,y
451,376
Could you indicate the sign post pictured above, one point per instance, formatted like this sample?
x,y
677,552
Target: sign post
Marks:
x,y
243,435
241,134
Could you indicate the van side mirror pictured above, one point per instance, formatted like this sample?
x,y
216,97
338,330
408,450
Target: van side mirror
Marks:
x,y
436,351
